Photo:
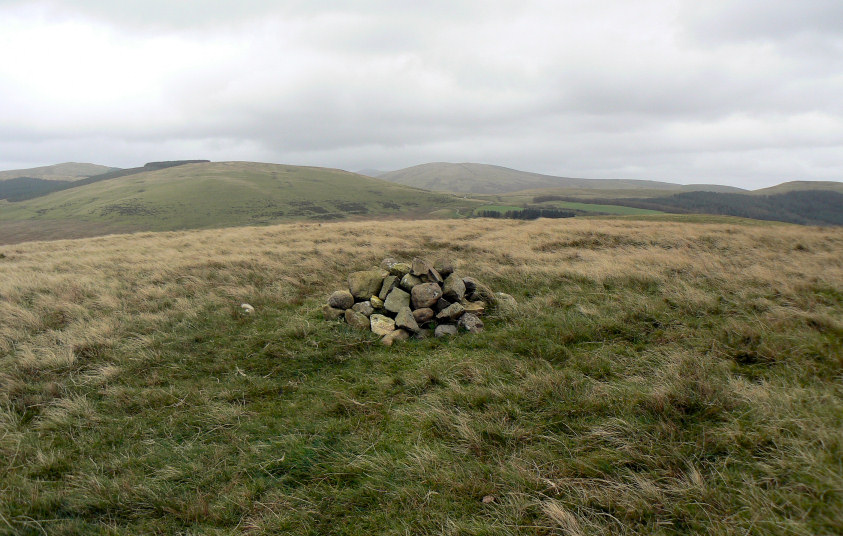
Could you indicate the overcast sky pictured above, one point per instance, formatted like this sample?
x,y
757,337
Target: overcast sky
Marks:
x,y
740,92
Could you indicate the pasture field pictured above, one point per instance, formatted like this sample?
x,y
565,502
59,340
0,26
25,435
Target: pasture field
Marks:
x,y
658,377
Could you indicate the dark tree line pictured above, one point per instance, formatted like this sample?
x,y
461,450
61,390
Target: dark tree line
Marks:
x,y
526,214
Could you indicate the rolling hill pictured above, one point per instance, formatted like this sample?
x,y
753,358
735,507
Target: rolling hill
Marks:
x,y
488,179
204,195
802,186
68,171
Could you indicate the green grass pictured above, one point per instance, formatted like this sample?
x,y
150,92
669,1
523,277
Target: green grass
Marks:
x,y
229,194
675,399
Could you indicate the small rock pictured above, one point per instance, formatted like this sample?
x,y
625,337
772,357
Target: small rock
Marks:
x,y
432,276
475,307
453,289
441,304
381,325
389,283
357,320
405,320
426,295
488,499
376,302
364,308
443,330
471,323
423,315
400,269
397,335
341,299
505,303
452,312
365,284
409,281
331,313
388,263
444,265
420,267
396,300
246,309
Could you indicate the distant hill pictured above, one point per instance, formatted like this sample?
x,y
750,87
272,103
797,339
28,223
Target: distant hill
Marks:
x,y
69,171
488,179
807,207
207,195
371,172
801,186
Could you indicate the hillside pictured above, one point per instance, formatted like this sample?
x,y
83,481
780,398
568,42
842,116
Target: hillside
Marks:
x,y
656,378
487,179
810,207
68,171
204,195
801,186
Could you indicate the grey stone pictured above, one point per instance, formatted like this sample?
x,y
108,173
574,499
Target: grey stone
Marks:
x,y
396,300
471,323
475,307
397,335
426,295
341,299
388,263
331,313
365,284
381,325
364,308
404,319
376,302
452,312
453,289
505,303
441,304
420,267
470,284
424,315
409,281
357,320
432,276
443,330
400,269
389,283
444,265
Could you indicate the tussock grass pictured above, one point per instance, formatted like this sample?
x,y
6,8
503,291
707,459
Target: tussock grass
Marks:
x,y
659,377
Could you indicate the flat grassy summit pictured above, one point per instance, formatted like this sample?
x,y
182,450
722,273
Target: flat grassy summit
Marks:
x,y
656,377
220,194
68,171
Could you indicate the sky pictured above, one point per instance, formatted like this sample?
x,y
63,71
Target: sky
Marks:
x,y
741,92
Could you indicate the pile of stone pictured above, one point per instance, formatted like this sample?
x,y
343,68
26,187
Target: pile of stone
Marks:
x,y
400,300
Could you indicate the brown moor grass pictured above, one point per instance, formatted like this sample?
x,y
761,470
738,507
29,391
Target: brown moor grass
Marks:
x,y
659,377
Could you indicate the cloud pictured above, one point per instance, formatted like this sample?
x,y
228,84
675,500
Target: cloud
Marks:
x,y
658,89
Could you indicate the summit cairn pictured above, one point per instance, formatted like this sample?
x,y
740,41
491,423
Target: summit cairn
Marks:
x,y
419,299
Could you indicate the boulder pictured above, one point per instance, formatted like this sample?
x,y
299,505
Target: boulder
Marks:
x,y
331,313
420,267
388,263
432,276
475,307
505,303
364,308
444,265
376,302
405,320
426,295
400,269
396,300
424,315
397,335
452,312
453,289
357,320
341,299
471,323
409,281
443,330
389,283
381,325
365,284
441,304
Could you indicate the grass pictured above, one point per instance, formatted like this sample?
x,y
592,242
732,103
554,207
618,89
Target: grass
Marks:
x,y
221,194
659,377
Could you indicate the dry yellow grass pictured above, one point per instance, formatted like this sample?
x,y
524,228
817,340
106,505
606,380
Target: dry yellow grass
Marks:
x,y
67,307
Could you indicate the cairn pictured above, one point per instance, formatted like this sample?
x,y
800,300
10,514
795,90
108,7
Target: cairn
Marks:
x,y
398,300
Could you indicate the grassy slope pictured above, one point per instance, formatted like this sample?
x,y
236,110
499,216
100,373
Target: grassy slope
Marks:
x,y
658,378
226,194
792,186
66,171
